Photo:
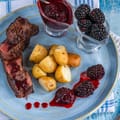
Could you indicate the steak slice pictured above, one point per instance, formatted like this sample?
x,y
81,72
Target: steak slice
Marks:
x,y
21,29
9,51
18,78
18,37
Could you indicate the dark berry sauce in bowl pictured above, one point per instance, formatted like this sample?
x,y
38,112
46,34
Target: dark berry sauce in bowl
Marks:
x,y
57,16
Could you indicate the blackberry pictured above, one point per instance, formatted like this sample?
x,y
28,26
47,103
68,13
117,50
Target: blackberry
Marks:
x,y
97,16
84,25
98,32
95,72
84,89
64,96
82,11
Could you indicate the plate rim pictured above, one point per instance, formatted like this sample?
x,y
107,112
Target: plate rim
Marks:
x,y
115,81
103,101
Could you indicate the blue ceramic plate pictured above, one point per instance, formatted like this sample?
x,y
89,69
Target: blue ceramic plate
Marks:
x,y
14,107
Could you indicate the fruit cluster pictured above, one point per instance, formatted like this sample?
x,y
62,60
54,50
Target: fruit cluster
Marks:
x,y
90,81
91,22
52,65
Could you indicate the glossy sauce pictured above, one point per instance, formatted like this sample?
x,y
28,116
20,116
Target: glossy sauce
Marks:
x,y
36,104
57,11
83,77
28,106
44,105
53,102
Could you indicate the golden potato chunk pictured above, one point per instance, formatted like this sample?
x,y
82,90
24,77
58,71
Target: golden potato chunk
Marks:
x,y
48,64
73,60
38,53
37,72
61,55
63,74
48,83
52,48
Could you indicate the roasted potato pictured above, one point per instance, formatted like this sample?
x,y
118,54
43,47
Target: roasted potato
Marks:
x,y
38,53
37,72
52,48
48,83
73,60
63,74
61,55
48,64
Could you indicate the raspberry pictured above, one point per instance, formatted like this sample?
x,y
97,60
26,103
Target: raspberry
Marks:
x,y
84,25
95,72
98,32
97,16
82,11
84,89
64,96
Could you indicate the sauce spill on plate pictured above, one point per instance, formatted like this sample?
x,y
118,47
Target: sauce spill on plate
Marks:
x,y
65,97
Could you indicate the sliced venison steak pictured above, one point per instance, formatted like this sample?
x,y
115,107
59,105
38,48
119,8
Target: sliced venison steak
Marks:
x,y
18,36
9,51
21,29
18,78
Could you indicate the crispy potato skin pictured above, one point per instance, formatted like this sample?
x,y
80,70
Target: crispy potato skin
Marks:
x,y
48,83
37,72
63,74
48,64
52,48
39,52
73,60
61,55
